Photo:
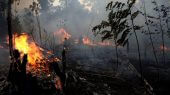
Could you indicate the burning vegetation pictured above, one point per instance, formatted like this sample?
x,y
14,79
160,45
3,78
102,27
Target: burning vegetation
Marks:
x,y
25,45
1,46
87,41
62,35
38,58
58,63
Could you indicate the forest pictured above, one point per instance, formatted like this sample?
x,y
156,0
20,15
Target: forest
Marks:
x,y
84,47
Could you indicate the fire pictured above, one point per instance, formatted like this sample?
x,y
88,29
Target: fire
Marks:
x,y
87,41
106,43
61,34
165,48
58,84
26,46
1,46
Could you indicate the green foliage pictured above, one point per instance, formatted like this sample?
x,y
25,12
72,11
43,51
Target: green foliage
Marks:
x,y
117,27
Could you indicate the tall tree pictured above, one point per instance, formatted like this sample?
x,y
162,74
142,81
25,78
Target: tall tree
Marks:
x,y
9,19
132,17
117,26
150,35
161,28
35,7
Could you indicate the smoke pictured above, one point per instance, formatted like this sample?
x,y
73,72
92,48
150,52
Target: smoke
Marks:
x,y
76,16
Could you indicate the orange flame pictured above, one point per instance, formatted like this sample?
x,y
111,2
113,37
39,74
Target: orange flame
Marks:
x,y
25,46
87,41
1,46
58,84
62,35
106,43
164,48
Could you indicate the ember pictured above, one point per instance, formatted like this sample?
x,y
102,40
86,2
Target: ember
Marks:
x,y
58,84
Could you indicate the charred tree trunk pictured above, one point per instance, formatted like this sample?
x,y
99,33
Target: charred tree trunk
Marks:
x,y
17,75
167,24
39,27
117,56
162,33
64,60
137,42
38,22
128,49
9,18
150,37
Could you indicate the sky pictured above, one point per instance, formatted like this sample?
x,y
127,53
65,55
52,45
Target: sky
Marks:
x,y
77,16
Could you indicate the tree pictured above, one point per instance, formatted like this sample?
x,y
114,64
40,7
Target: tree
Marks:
x,y
150,36
9,19
134,28
35,7
161,28
117,26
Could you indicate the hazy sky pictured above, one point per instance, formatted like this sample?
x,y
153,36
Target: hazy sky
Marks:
x,y
79,16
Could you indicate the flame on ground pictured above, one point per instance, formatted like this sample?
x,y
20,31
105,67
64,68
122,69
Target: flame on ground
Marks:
x,y
58,84
87,41
106,43
164,48
61,34
26,46
1,46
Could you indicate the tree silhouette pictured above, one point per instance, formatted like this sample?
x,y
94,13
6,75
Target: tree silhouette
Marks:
x,y
150,36
9,19
35,7
117,26
161,28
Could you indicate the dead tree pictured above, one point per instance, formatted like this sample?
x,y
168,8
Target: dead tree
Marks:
x,y
9,18
58,71
64,60
17,74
